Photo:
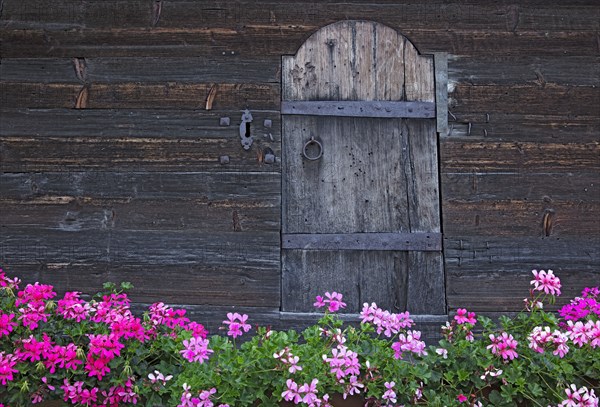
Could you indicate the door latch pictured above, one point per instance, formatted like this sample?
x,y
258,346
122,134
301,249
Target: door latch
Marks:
x,y
245,134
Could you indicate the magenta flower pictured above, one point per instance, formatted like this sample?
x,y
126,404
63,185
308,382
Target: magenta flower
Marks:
x,y
72,307
236,324
579,397
7,364
343,362
333,301
461,398
464,317
504,345
546,281
196,350
6,323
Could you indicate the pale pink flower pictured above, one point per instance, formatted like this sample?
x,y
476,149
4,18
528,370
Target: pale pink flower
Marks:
x,y
291,393
390,394
196,350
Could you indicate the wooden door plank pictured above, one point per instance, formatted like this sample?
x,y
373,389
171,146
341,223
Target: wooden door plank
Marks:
x,y
361,276
357,186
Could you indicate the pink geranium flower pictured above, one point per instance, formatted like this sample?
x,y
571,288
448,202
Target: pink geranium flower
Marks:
x,y
546,281
236,324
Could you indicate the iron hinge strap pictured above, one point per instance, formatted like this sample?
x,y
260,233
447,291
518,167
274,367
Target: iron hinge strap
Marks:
x,y
378,108
418,241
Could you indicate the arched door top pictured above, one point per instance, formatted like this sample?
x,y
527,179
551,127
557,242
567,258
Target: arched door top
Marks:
x,y
358,61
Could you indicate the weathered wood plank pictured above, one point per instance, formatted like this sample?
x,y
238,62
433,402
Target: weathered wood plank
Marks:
x,y
359,275
201,284
85,214
527,186
267,40
89,201
489,254
463,156
140,95
506,293
349,179
493,273
494,126
32,154
525,69
63,187
233,69
440,15
546,217
116,248
524,99
144,123
39,140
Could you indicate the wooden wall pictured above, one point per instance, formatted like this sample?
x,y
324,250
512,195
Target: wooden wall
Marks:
x,y
110,163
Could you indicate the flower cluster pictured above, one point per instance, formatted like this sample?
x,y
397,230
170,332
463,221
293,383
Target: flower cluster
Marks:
x,y
236,324
203,399
287,358
71,348
333,301
98,353
384,321
581,397
546,281
306,393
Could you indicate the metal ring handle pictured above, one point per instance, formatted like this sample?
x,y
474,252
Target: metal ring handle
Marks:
x,y
310,142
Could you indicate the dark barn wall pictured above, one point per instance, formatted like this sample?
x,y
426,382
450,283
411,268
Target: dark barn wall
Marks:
x,y
110,163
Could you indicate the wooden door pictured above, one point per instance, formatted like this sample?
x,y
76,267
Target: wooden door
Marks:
x,y
360,172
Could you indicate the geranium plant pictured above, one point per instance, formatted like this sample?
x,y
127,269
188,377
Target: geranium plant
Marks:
x,y
97,353
87,353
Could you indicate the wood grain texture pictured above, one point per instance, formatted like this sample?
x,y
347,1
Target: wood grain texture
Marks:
x,y
521,157
233,69
483,156
138,140
274,40
90,201
202,284
526,186
526,69
540,128
140,95
521,218
553,16
549,99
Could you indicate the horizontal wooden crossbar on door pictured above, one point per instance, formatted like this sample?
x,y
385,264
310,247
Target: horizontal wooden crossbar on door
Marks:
x,y
383,109
363,241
